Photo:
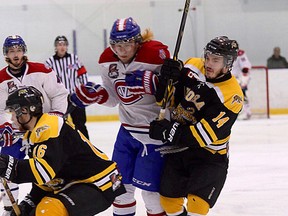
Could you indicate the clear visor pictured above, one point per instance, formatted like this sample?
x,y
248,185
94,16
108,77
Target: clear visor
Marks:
x,y
14,108
125,41
20,46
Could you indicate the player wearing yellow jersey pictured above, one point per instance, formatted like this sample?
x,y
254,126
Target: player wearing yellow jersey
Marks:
x,y
69,175
207,100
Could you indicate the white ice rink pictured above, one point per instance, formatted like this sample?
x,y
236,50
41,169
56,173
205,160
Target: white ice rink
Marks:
x,y
257,182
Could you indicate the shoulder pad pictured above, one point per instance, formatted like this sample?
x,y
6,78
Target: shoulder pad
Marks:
x,y
107,56
152,52
37,67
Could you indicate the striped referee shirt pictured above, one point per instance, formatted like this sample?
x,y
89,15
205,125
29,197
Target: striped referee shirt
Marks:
x,y
69,69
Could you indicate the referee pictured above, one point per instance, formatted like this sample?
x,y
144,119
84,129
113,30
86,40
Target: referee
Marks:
x,y
72,73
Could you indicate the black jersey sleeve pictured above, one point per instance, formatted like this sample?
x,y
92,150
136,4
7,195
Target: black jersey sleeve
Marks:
x,y
207,113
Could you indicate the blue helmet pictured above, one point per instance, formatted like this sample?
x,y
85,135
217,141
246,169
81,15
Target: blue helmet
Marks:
x,y
125,30
14,41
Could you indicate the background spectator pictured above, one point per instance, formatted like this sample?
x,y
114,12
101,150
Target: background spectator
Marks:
x,y
276,60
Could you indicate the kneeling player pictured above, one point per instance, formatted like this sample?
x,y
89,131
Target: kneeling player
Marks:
x,y
69,175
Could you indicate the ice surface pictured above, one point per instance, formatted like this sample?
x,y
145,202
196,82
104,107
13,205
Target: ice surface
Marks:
x,y
257,182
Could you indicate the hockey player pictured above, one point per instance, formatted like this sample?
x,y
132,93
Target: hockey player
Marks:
x,y
207,101
129,69
70,176
72,73
21,72
241,70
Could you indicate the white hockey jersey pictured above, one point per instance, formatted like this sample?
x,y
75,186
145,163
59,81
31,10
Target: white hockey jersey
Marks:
x,y
135,111
45,80
239,64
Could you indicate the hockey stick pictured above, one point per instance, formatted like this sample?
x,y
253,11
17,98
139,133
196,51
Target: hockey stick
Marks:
x,y
70,109
175,57
11,198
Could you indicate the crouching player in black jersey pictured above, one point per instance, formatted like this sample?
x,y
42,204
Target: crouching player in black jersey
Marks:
x,y
207,100
69,175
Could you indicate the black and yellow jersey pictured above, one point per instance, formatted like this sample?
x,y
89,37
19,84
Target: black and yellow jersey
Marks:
x,y
206,109
60,156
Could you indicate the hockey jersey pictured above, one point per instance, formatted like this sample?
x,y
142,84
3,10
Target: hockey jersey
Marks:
x,y
60,156
241,62
37,75
206,108
135,111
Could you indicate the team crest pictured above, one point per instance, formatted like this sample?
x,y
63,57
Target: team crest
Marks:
x,y
113,71
237,99
41,129
124,94
116,181
11,86
162,54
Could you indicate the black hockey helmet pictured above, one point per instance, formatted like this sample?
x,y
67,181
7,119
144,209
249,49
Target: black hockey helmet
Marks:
x,y
28,97
61,39
225,47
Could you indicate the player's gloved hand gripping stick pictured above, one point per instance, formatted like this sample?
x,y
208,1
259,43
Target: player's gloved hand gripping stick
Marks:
x,y
175,57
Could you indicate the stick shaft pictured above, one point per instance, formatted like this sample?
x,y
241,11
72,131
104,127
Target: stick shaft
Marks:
x,y
11,198
175,57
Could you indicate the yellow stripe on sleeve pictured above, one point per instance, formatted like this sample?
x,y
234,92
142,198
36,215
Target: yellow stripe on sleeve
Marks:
x,y
197,136
47,167
209,129
35,172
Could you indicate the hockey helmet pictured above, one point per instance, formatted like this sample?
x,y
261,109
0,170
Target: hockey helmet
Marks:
x,y
28,97
125,30
61,39
13,41
225,47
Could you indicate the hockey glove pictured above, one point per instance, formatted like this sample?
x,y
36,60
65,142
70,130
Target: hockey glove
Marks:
x,y
165,130
26,206
88,94
8,166
171,69
6,134
141,82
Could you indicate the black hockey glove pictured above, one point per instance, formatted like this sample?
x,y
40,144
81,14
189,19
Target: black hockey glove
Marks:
x,y
171,70
165,130
8,167
26,206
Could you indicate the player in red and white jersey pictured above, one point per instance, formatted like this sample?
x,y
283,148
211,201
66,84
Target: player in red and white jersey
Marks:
x,y
129,70
19,73
241,70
